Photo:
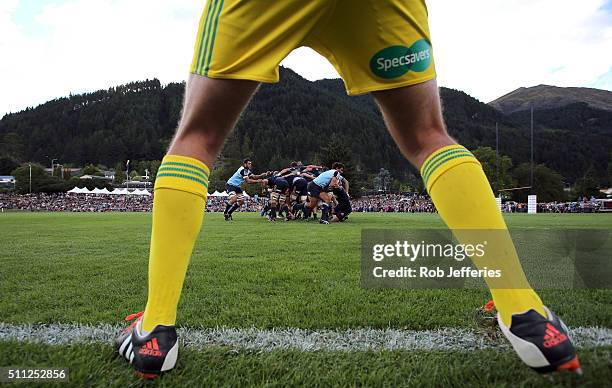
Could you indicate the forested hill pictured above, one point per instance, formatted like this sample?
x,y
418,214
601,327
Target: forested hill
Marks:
x,y
294,119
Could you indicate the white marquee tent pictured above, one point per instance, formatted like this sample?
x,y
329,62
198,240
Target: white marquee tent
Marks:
x,y
218,194
78,190
225,194
140,192
85,190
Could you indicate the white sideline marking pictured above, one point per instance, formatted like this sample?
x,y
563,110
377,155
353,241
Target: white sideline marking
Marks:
x,y
298,339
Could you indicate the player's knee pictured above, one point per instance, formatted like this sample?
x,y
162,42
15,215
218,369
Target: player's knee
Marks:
x,y
274,198
200,130
430,135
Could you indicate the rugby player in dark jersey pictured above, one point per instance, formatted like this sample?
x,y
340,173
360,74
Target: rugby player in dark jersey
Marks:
x,y
278,195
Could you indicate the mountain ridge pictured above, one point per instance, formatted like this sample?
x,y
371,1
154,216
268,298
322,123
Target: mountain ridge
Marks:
x,y
549,97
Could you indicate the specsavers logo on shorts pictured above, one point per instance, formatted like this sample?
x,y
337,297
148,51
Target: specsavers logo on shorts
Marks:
x,y
395,61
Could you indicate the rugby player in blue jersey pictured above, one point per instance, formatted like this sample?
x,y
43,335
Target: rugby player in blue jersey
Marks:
x,y
233,187
319,187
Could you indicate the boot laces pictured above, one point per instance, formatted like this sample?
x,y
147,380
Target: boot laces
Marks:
x,y
137,316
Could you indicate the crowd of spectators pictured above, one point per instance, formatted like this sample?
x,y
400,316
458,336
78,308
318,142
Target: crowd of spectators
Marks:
x,y
386,203
582,205
62,202
394,203
132,203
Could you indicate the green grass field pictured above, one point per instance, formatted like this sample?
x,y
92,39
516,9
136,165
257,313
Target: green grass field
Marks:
x,y
89,268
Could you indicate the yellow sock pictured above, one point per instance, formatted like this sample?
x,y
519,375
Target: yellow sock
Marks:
x,y
463,197
181,188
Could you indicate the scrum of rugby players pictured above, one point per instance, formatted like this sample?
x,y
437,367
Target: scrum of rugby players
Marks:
x,y
299,190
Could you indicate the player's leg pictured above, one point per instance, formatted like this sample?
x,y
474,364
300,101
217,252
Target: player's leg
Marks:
x,y
283,187
231,199
454,178
282,205
211,110
274,198
239,201
292,204
463,197
313,200
326,207
310,207
394,60
302,204
301,198
298,208
396,64
343,208
266,204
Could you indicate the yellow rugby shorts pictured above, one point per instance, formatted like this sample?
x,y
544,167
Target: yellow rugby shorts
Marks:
x,y
373,44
